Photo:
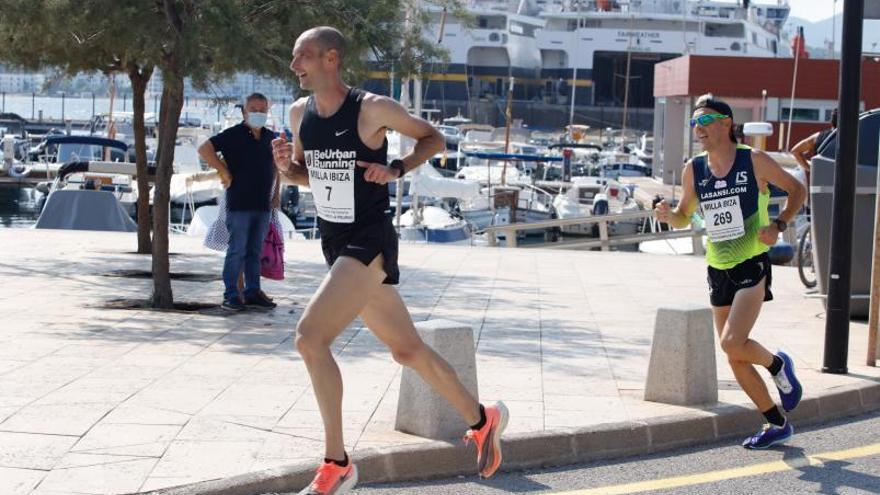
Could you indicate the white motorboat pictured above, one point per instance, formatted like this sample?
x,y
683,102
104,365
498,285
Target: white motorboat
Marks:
x,y
589,196
90,194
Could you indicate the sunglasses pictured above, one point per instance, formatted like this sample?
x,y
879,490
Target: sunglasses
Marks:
x,y
707,118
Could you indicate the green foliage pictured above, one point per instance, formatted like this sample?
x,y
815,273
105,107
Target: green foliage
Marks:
x,y
220,38
75,36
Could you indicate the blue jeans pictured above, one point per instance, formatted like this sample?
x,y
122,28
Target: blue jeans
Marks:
x,y
247,231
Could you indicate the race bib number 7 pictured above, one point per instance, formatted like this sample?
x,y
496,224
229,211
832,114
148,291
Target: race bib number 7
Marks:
x,y
331,178
723,218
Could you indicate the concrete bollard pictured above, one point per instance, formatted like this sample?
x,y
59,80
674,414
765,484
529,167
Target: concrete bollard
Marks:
x,y
420,410
682,368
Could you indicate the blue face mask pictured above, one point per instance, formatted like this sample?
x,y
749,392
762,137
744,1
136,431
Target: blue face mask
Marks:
x,y
256,119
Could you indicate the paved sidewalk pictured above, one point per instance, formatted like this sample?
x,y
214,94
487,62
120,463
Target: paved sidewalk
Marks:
x,y
99,401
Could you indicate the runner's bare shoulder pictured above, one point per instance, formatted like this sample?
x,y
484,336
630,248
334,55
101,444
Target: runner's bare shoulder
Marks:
x,y
298,108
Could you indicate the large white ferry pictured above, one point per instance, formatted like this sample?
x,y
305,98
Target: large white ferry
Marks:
x,y
550,45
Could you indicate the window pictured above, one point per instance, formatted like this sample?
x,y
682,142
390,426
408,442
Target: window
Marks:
x,y
719,30
522,29
802,114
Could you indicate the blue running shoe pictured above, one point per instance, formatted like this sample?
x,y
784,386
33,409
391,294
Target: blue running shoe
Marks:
x,y
769,436
790,390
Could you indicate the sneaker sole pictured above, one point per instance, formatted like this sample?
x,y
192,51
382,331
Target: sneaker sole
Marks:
x,y
773,443
496,438
790,362
348,484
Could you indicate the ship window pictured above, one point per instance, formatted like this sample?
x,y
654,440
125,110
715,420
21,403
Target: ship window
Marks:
x,y
522,29
719,30
735,46
491,22
494,37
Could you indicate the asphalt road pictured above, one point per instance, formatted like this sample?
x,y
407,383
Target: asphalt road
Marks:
x,y
837,458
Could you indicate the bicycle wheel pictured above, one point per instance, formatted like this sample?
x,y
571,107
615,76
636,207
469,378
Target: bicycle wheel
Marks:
x,y
806,269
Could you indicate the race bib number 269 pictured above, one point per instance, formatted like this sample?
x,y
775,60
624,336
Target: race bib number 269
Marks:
x,y
724,219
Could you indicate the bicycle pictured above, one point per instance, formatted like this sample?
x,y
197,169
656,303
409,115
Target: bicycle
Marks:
x,y
806,267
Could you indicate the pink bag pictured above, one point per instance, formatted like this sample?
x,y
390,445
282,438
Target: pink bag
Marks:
x,y
272,257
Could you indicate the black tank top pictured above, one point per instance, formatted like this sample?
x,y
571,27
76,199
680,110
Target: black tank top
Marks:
x,y
344,200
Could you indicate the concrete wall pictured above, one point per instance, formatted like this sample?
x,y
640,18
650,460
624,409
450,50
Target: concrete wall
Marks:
x,y
669,150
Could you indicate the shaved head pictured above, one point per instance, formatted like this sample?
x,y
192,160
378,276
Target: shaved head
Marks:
x,y
327,38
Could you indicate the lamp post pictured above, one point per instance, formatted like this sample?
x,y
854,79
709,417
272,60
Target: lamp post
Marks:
x,y
840,268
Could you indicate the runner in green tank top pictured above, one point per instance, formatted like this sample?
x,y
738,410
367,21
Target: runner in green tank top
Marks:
x,y
729,183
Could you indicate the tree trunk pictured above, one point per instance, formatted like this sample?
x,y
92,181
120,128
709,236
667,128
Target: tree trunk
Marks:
x,y
169,116
139,78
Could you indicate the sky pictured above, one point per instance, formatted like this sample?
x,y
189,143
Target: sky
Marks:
x,y
811,10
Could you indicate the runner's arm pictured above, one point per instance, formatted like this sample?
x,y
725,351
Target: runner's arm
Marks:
x,y
768,171
294,170
385,113
680,216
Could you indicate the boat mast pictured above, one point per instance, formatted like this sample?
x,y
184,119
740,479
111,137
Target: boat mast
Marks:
x,y
508,115
626,81
574,79
111,127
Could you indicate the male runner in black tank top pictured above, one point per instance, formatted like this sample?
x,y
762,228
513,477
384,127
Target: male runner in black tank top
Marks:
x,y
339,150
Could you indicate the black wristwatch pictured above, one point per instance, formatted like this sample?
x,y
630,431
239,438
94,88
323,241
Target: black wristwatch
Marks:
x,y
397,164
780,224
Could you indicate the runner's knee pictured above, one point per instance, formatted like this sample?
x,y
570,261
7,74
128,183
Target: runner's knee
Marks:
x,y
308,338
731,346
407,356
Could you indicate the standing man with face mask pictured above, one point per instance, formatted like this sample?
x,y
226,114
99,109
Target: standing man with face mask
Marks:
x,y
248,174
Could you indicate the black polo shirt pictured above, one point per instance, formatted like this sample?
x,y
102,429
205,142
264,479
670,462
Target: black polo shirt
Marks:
x,y
251,164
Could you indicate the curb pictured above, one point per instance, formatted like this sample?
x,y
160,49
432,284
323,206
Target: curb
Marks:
x,y
550,448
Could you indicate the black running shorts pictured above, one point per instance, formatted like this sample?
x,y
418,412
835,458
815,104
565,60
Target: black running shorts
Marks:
x,y
364,244
725,283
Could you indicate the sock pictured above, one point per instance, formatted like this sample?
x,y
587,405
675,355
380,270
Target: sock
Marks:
x,y
482,422
774,417
342,463
776,366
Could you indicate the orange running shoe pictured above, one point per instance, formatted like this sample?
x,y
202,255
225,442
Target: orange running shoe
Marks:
x,y
488,439
332,480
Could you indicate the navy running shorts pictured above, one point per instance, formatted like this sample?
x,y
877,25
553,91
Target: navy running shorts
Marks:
x,y
723,284
364,244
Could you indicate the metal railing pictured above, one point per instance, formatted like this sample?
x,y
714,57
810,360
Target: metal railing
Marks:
x,y
606,240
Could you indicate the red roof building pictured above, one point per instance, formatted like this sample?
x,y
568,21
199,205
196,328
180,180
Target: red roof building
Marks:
x,y
758,89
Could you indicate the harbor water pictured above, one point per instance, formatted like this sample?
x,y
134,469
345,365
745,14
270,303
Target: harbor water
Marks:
x,y
19,205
